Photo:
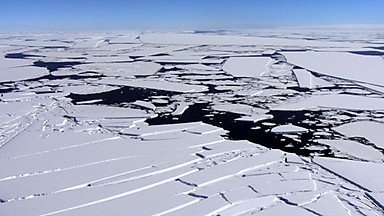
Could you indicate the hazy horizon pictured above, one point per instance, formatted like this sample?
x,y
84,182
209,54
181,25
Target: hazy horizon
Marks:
x,y
172,14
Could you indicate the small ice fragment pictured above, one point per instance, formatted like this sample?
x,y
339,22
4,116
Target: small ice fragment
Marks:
x,y
204,129
253,119
144,104
89,101
288,129
180,109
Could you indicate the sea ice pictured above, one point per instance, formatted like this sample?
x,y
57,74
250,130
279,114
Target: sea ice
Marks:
x,y
21,73
247,66
373,131
288,129
328,204
148,123
364,174
307,80
336,101
144,104
355,149
366,69
254,119
157,84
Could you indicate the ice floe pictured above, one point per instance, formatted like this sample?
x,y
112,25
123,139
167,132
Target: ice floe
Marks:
x,y
157,84
365,129
307,80
247,66
368,69
254,119
354,149
144,104
288,129
339,101
21,73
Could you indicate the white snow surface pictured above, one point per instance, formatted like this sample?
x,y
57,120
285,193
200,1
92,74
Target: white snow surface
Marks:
x,y
363,174
339,101
246,66
368,69
154,84
373,131
307,80
288,129
21,73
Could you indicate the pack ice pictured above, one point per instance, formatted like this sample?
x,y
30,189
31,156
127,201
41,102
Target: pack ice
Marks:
x,y
241,122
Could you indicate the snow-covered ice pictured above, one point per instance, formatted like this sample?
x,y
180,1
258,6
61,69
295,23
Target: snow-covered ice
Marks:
x,y
373,131
288,129
307,80
360,68
247,66
236,122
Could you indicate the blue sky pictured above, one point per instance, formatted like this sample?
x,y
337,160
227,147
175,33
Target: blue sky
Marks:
x,y
185,14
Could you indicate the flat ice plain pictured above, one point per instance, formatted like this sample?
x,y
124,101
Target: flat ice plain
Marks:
x,y
282,122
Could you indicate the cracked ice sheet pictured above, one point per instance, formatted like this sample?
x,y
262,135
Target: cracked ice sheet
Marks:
x,y
87,89
336,101
328,204
232,168
360,68
155,151
307,80
378,198
126,69
17,147
366,175
160,129
240,109
183,60
208,206
229,146
279,208
109,59
373,131
165,196
156,84
355,149
149,157
148,50
15,113
284,187
103,173
88,197
249,206
105,112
